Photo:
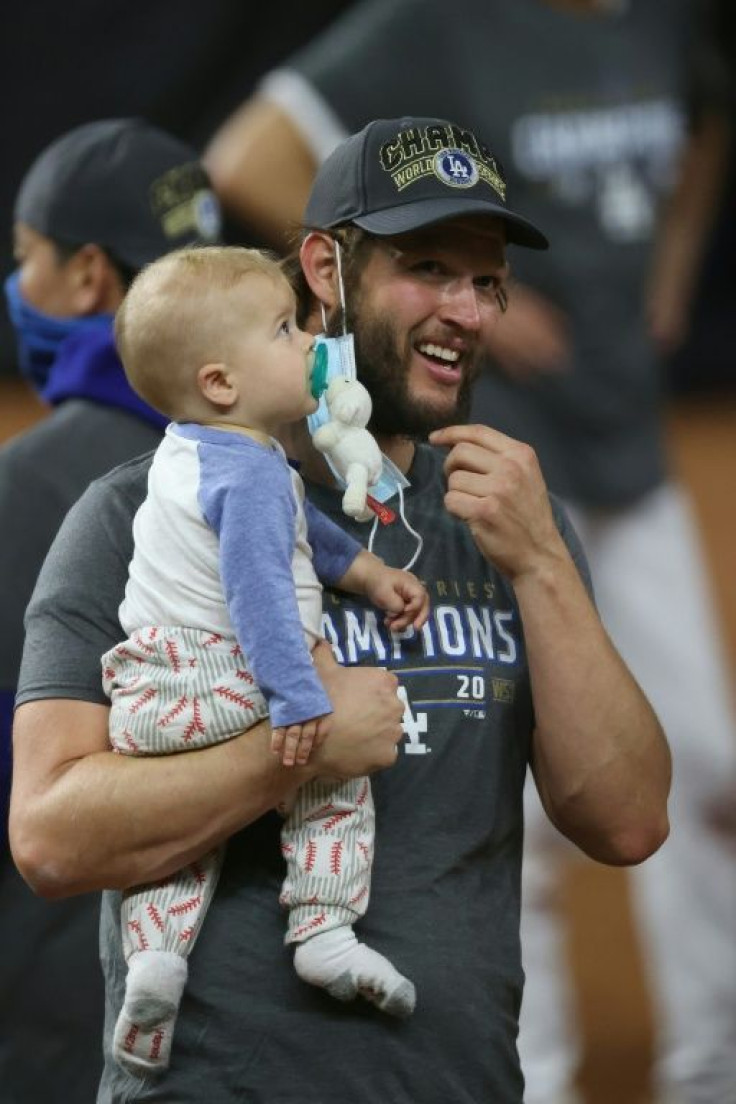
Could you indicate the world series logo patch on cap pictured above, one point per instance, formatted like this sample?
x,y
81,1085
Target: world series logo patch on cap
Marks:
x,y
448,153
455,168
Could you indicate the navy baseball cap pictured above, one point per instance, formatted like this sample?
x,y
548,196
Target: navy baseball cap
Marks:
x,y
398,175
122,184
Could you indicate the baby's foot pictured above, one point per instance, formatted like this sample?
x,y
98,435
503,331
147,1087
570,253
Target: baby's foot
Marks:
x,y
337,962
145,1026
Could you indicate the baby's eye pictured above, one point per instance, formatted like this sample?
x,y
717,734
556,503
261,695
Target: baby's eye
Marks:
x,y
285,328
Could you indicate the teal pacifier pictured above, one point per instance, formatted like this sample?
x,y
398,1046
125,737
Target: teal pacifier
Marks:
x,y
318,380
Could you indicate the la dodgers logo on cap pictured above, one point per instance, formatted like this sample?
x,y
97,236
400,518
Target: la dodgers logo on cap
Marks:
x,y
455,168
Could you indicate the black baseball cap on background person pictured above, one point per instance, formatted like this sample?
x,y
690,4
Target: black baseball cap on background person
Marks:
x,y
397,175
122,184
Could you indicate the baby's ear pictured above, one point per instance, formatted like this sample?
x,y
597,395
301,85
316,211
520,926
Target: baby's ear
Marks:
x,y
216,384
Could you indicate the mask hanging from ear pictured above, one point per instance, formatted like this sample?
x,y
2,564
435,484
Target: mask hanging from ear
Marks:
x,y
335,359
338,360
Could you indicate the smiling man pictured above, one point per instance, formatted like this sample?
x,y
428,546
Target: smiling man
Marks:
x,y
512,670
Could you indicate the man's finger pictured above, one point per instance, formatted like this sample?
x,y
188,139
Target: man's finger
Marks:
x,y
465,507
481,435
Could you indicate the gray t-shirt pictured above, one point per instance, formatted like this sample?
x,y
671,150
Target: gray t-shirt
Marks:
x,y
445,898
586,112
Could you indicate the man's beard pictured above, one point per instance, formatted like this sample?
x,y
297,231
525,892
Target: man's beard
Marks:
x,y
383,368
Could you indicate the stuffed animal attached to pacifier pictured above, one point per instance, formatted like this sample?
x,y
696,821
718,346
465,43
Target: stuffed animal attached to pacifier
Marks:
x,y
347,444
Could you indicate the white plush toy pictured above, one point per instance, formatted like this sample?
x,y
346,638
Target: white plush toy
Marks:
x,y
349,446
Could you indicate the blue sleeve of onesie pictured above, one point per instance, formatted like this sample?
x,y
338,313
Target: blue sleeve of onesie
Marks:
x,y
333,550
246,497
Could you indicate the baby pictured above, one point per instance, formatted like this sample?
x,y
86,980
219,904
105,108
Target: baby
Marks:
x,y
221,611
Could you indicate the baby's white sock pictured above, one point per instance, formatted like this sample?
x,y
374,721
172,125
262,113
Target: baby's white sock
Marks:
x,y
145,1027
337,962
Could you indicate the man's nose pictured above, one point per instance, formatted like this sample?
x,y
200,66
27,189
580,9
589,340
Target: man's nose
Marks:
x,y
460,304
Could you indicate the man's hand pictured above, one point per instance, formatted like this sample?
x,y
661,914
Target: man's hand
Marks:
x,y
532,338
365,728
494,483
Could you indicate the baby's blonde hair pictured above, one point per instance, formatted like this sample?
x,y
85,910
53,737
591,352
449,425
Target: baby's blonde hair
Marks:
x,y
178,315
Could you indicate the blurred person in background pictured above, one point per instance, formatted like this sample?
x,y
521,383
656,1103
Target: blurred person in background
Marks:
x,y
604,113
193,64
96,205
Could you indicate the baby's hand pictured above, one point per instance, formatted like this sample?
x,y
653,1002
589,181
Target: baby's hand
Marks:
x,y
401,595
294,743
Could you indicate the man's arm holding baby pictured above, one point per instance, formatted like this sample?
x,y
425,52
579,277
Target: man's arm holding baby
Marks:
x,y
84,818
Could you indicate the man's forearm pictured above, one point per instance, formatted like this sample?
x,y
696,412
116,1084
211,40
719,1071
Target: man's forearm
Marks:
x,y
84,818
262,169
102,820
600,757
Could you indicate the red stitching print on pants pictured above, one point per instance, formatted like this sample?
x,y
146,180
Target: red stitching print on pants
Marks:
x,y
183,907
156,1043
130,742
310,926
143,644
130,1038
358,896
136,928
141,700
233,696
172,652
173,712
319,813
335,820
155,916
310,856
196,724
336,857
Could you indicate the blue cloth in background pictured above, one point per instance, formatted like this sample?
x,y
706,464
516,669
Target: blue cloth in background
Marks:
x,y
88,367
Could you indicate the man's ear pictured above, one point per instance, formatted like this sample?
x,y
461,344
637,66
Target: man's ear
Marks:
x,y
96,285
317,258
215,383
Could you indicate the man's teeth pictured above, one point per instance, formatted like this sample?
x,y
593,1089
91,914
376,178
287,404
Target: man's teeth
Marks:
x,y
450,356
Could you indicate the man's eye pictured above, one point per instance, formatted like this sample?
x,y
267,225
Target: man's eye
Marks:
x,y
496,287
428,268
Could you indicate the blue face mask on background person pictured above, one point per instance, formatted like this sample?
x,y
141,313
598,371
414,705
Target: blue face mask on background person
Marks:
x,y
40,336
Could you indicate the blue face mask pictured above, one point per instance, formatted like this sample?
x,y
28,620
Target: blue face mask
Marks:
x,y
40,336
335,357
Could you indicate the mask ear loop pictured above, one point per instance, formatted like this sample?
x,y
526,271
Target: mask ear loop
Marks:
x,y
341,290
419,538
340,285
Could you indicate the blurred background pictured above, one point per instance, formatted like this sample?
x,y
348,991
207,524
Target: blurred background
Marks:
x,y
187,66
